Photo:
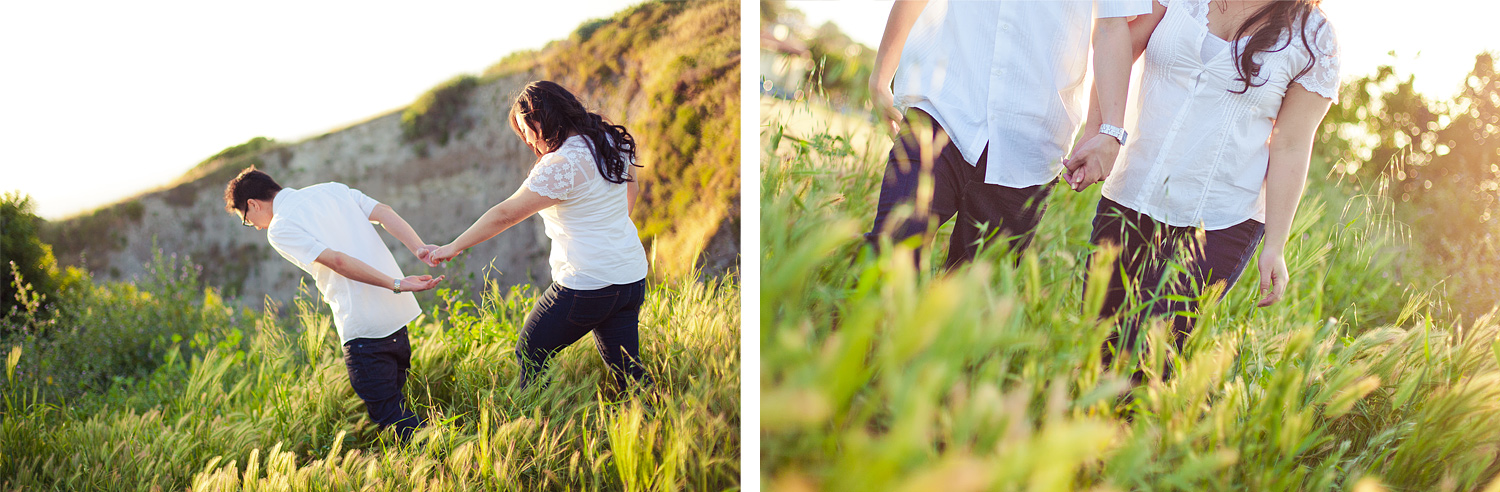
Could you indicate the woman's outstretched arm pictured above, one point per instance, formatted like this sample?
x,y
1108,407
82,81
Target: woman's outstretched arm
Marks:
x,y
1291,149
500,217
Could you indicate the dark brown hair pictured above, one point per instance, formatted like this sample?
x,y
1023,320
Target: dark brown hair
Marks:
x,y
556,113
251,184
1273,18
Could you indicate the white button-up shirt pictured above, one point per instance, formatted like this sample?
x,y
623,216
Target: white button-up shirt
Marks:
x,y
308,221
1008,74
1199,153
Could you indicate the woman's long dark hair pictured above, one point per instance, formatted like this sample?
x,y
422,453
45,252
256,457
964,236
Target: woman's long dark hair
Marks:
x,y
1272,19
556,114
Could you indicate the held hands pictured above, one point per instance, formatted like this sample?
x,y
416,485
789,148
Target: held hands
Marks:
x,y
1091,161
440,254
425,250
418,283
1273,277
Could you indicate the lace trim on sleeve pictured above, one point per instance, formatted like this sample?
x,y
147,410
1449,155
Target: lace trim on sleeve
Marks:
x,y
554,177
1323,78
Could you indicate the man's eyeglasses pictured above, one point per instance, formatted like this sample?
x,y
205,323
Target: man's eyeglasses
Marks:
x,y
243,220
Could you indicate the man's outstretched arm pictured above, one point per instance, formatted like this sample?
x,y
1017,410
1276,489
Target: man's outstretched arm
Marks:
x,y
398,228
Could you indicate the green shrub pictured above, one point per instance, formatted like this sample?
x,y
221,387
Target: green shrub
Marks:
x,y
24,258
439,114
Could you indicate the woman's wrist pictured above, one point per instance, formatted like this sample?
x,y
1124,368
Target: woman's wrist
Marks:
x,y
1273,248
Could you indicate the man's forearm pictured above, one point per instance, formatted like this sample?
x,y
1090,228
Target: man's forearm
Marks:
x,y
397,227
897,27
354,269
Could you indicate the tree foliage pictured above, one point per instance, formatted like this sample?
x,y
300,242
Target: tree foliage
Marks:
x,y
1441,160
23,252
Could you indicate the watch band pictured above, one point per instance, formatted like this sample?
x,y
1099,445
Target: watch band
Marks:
x,y
396,287
1114,131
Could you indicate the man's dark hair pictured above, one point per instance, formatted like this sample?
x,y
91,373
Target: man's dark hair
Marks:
x,y
250,184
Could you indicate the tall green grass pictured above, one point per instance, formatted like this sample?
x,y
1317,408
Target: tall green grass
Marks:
x,y
881,374
187,392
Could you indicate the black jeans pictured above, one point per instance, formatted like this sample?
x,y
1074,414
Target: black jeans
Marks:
x,y
1147,250
958,188
562,316
377,370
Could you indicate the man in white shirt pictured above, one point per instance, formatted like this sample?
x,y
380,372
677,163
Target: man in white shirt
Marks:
x,y
985,102
326,229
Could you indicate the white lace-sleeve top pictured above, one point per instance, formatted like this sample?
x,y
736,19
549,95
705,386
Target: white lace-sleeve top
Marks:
x,y
1198,153
594,242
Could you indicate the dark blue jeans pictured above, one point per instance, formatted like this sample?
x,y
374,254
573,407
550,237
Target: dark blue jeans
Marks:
x,y
1147,249
562,316
377,370
1005,213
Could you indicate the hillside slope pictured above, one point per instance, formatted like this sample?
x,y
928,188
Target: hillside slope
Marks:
x,y
444,161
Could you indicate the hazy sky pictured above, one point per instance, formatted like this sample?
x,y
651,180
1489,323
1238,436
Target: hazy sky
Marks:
x,y
102,100
1435,39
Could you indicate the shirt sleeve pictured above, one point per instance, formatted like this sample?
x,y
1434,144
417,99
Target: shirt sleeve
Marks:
x,y
1323,77
365,203
295,243
554,177
1104,9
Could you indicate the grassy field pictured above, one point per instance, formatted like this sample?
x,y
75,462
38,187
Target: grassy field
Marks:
x,y
878,374
159,385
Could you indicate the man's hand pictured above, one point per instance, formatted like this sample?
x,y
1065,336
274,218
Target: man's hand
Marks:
x,y
425,250
441,254
1273,277
885,109
1091,162
418,283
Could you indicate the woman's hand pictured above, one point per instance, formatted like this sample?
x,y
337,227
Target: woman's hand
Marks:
x,y
1273,277
440,255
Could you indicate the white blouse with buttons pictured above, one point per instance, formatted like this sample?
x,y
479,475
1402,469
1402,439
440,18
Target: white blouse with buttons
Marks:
x,y
1199,151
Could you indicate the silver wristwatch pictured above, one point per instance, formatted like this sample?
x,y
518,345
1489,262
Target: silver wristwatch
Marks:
x,y
1114,131
397,287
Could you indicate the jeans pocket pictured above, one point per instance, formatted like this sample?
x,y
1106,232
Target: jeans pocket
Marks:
x,y
590,308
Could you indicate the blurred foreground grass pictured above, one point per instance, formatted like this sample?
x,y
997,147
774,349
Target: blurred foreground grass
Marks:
x,y
877,374
158,385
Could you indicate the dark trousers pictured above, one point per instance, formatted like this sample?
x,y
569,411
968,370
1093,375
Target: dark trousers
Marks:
x,y
1143,271
562,316
985,211
377,370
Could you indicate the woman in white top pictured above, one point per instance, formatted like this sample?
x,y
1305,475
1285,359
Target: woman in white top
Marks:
x,y
1220,153
582,186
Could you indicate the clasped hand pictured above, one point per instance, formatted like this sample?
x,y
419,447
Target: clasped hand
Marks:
x,y
1091,161
434,255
